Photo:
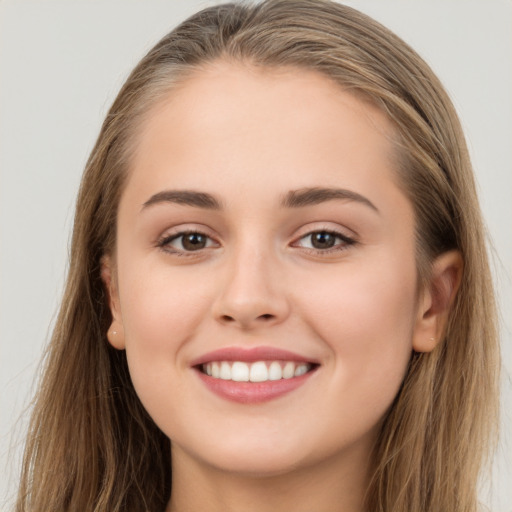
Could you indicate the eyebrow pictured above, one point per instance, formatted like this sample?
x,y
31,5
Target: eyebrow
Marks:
x,y
186,197
317,195
293,199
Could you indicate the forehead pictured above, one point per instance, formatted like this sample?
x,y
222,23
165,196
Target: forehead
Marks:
x,y
228,123
302,94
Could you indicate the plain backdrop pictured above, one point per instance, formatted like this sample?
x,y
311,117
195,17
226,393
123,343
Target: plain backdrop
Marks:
x,y
61,64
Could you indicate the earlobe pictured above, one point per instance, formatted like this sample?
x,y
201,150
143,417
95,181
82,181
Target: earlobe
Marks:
x,y
116,338
115,333
436,301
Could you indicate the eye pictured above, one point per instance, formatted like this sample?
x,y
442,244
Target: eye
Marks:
x,y
324,241
189,241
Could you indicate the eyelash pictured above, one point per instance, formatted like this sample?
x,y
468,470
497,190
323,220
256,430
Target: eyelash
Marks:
x,y
164,242
345,243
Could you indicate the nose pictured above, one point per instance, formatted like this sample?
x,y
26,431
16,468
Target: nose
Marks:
x,y
252,293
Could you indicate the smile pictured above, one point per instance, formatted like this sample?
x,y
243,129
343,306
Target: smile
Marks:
x,y
253,375
259,371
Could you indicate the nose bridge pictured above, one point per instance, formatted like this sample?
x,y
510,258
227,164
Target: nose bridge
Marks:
x,y
252,294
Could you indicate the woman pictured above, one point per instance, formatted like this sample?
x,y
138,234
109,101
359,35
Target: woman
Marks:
x,y
278,265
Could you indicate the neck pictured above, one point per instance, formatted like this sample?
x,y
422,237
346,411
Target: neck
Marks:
x,y
333,485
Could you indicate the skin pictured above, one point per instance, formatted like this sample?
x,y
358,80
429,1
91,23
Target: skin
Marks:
x,y
248,137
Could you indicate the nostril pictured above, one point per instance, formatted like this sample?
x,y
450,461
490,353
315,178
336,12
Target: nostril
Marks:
x,y
246,321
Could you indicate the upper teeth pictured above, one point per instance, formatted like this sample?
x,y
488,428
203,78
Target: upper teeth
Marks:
x,y
259,371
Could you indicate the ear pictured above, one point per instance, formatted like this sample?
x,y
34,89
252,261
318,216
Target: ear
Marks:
x,y
115,333
436,301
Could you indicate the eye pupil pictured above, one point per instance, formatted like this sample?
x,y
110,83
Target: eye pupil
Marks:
x,y
322,240
194,241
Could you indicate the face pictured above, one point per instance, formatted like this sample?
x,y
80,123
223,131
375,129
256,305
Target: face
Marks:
x,y
264,283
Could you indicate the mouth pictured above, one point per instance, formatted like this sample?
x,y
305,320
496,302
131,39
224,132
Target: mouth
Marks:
x,y
253,375
258,371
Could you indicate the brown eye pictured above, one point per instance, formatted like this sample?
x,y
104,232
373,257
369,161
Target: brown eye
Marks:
x,y
323,240
194,241
186,242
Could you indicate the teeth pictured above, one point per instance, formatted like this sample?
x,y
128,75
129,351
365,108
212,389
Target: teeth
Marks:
x,y
301,370
274,371
225,371
288,370
240,372
259,371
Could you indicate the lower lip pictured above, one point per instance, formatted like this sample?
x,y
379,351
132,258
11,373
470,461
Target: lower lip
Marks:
x,y
252,392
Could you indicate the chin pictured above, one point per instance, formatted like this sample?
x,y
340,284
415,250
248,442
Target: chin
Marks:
x,y
250,455
260,463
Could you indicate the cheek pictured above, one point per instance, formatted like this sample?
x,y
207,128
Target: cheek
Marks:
x,y
159,306
160,316
348,303
366,316
160,313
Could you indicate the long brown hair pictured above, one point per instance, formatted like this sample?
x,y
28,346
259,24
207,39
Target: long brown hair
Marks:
x,y
91,444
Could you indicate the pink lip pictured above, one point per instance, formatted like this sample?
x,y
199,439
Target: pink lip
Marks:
x,y
251,392
250,355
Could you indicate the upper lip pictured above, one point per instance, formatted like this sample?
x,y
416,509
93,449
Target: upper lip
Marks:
x,y
250,355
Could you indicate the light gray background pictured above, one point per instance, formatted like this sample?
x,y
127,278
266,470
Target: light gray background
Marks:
x,y
62,62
